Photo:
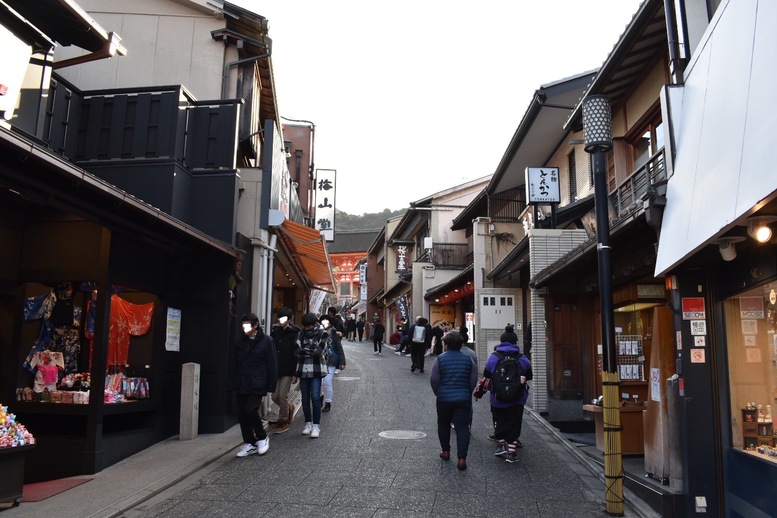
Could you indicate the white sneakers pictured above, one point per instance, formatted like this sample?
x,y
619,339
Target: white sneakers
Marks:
x,y
263,445
246,450
260,447
313,430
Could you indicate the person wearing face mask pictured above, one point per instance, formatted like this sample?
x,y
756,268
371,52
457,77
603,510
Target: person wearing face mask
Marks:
x,y
335,359
311,368
284,334
253,373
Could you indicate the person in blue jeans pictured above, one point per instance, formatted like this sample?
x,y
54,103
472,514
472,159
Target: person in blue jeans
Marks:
x,y
453,378
311,369
335,360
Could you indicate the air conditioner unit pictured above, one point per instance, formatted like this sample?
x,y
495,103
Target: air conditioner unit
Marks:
x,y
428,243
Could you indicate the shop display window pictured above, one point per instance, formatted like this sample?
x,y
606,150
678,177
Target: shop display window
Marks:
x,y
633,326
751,338
57,339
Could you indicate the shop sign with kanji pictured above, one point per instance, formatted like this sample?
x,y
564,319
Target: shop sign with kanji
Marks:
x,y
542,185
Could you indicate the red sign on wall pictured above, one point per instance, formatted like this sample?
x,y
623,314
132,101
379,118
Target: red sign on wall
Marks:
x,y
693,308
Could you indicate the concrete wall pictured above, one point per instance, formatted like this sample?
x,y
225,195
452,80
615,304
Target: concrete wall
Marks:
x,y
167,43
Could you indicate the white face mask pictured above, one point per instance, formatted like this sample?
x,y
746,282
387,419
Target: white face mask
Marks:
x,y
283,320
247,327
325,324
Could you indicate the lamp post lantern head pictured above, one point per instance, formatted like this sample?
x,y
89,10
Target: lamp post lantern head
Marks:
x,y
597,123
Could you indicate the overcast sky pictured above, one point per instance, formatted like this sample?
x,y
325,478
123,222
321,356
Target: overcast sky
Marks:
x,y
412,97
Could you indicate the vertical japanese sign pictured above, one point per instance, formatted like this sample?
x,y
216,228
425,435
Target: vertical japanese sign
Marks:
x,y
403,252
402,309
542,185
362,282
325,202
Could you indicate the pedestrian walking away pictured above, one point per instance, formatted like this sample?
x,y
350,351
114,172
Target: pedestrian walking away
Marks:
x,y
360,328
504,378
335,360
464,333
378,330
311,368
350,328
453,378
420,335
253,373
284,334
438,331
336,321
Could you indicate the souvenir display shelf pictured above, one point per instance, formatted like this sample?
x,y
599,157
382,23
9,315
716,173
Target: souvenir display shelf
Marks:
x,y
757,434
631,357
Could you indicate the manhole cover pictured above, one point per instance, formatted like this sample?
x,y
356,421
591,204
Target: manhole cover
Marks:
x,y
402,434
347,378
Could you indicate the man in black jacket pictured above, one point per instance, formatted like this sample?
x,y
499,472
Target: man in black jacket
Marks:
x,y
284,334
253,373
336,321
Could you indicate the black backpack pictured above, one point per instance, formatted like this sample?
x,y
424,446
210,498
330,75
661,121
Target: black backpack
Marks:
x,y
506,378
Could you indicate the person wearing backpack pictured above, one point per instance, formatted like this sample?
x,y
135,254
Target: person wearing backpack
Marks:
x,y
335,360
505,376
420,339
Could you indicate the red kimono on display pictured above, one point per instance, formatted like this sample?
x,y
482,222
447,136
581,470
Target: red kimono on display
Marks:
x,y
127,319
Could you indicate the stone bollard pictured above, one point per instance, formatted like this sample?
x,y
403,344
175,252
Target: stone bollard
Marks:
x,y
190,401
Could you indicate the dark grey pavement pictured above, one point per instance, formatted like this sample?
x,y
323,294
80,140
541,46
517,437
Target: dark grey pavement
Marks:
x,y
351,470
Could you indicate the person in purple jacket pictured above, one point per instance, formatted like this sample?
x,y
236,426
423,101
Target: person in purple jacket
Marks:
x,y
508,416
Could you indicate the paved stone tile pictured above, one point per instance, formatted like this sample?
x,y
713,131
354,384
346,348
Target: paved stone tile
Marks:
x,y
459,504
384,498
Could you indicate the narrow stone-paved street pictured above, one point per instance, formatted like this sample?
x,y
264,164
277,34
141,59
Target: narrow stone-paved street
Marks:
x,y
351,470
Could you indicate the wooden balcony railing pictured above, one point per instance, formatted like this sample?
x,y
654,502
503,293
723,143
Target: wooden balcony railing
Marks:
x,y
627,197
453,256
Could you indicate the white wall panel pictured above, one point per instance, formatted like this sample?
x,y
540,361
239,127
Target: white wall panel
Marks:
x,y
723,123
758,177
725,132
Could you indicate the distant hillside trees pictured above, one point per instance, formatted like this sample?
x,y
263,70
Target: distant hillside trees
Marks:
x,y
345,221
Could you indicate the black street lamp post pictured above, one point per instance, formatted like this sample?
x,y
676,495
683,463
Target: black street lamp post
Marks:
x,y
597,129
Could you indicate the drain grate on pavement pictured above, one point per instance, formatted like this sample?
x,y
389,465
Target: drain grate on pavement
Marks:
x,y
402,434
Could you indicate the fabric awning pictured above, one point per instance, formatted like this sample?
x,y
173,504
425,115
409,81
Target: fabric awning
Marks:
x,y
308,251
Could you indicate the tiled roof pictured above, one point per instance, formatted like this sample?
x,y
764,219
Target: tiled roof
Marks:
x,y
352,241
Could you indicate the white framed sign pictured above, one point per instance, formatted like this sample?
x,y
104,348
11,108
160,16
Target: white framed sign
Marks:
x,y
326,183
542,185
